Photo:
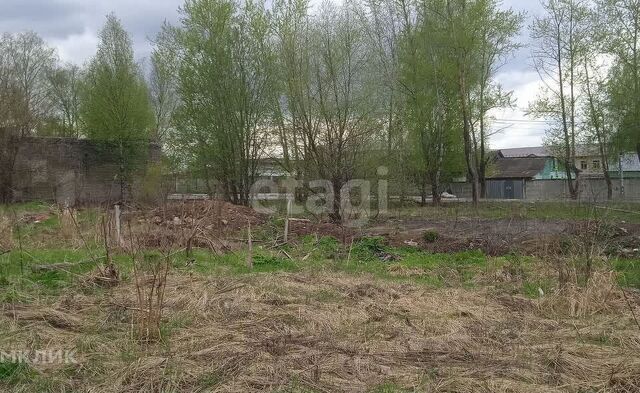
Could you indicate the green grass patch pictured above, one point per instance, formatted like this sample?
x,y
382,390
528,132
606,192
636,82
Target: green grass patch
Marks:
x,y
531,289
628,272
13,372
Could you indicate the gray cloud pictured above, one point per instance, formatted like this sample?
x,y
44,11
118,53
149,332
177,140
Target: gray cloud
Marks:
x,y
72,25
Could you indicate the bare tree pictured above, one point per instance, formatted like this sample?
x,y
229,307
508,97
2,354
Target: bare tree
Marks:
x,y
25,61
496,44
327,109
559,37
64,86
163,83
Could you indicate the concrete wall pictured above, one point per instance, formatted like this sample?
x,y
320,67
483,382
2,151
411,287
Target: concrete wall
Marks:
x,y
591,190
505,189
68,171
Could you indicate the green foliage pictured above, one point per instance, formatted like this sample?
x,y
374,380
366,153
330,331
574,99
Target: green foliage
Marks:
x,y
12,372
368,248
262,260
628,272
223,58
388,387
430,236
329,246
115,109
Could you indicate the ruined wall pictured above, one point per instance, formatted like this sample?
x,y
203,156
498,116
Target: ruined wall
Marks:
x,y
68,171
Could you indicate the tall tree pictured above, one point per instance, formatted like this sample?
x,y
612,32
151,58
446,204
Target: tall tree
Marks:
x,y
560,41
224,83
598,118
64,87
496,43
163,84
327,109
431,96
115,108
461,22
386,22
622,37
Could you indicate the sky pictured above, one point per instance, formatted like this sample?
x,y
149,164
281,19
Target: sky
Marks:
x,y
71,27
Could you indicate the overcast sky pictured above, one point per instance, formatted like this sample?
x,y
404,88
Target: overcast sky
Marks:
x,y
71,26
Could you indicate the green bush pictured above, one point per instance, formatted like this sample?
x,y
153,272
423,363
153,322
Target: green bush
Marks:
x,y
430,236
368,248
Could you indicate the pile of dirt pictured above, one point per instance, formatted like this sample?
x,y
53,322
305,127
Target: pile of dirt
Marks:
x,y
213,214
301,228
497,237
208,224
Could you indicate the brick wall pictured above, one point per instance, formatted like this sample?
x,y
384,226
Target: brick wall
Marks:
x,y
68,171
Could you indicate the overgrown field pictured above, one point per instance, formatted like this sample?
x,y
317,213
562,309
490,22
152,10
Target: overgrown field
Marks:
x,y
506,298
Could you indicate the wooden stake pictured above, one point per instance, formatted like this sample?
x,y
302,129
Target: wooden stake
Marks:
x,y
250,255
118,231
286,220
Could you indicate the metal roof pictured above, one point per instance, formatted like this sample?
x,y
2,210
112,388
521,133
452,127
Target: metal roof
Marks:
x,y
538,151
517,167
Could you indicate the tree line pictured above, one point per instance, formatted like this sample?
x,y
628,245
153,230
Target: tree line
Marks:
x,y
334,91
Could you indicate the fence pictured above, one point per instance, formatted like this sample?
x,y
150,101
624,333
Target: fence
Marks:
x,y
590,190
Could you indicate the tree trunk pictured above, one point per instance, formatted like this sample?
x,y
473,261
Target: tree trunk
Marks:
x,y
336,214
607,178
468,148
435,193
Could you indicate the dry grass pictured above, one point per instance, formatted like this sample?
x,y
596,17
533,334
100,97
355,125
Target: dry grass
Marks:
x,y
6,233
332,332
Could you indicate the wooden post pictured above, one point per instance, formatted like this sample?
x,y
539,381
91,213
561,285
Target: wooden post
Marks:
x,y
286,220
250,243
118,231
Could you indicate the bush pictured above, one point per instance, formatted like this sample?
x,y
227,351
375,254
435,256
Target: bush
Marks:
x,y
329,246
368,248
430,236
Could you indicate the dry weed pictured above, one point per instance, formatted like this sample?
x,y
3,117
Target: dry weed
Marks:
x,y
601,294
6,234
338,333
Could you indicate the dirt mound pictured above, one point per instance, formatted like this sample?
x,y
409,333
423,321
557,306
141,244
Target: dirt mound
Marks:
x,y
207,224
300,228
498,237
214,214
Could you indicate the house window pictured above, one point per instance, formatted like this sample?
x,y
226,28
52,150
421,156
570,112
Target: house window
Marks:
x,y
596,164
583,165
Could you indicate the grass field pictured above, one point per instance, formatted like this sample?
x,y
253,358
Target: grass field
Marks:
x,y
316,314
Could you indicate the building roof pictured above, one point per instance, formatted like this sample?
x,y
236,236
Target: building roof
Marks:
x,y
519,152
517,167
630,163
543,151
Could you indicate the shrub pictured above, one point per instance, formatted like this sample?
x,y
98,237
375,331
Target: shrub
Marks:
x,y
368,248
430,236
329,246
